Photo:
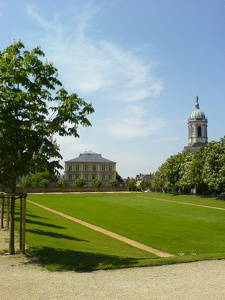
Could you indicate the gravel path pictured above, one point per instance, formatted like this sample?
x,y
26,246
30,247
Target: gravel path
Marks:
x,y
20,280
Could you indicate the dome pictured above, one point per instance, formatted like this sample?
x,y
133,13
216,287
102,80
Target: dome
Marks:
x,y
197,114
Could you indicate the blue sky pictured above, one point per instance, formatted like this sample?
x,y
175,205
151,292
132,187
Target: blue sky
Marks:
x,y
140,62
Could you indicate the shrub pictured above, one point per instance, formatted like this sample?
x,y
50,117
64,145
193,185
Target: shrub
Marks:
x,y
96,182
80,182
44,183
62,183
113,182
27,182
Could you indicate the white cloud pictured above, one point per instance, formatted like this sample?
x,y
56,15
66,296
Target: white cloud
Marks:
x,y
132,123
103,70
95,65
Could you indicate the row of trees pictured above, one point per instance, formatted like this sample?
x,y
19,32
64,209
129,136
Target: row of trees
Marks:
x,y
203,170
45,179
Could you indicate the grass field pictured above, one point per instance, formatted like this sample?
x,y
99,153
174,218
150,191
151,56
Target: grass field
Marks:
x,y
176,224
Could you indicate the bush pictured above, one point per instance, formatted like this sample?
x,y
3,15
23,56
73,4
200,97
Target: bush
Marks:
x,y
62,183
80,182
27,182
113,182
96,182
44,183
37,179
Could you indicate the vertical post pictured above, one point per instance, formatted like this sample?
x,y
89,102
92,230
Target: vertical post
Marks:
x,y
2,210
7,212
23,223
12,226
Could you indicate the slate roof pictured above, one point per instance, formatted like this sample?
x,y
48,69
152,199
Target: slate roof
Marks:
x,y
90,157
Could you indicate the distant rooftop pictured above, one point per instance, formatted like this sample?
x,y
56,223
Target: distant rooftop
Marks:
x,y
89,157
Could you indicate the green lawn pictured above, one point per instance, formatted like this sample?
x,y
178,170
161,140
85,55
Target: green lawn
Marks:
x,y
190,232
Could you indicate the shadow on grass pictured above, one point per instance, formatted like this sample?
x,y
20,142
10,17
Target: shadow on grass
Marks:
x,y
69,260
35,216
55,235
44,224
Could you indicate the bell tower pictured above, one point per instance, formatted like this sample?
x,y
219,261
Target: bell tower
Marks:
x,y
197,129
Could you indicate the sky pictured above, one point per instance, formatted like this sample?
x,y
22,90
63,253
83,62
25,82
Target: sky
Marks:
x,y
140,62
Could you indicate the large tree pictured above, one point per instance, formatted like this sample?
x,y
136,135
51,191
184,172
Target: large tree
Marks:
x,y
34,105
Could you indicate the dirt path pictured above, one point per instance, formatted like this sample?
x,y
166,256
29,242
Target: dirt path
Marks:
x,y
107,232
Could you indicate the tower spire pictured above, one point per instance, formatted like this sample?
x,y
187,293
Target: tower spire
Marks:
x,y
196,102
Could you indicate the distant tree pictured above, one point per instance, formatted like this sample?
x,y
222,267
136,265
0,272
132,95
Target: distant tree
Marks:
x,y
62,183
80,182
145,183
131,183
39,177
169,175
113,182
96,182
160,181
214,166
192,176
27,182
44,183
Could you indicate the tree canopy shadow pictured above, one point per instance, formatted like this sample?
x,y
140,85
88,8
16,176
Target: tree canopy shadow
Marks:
x,y
69,260
35,216
55,235
44,224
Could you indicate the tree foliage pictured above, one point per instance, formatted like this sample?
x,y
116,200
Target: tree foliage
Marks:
x,y
39,177
214,166
203,170
80,182
131,183
113,182
96,182
62,183
145,183
34,105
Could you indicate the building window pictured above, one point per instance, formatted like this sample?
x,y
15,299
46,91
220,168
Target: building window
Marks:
x,y
199,131
94,168
110,168
103,177
77,176
70,168
110,176
86,168
103,168
93,176
70,177
86,176
77,168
